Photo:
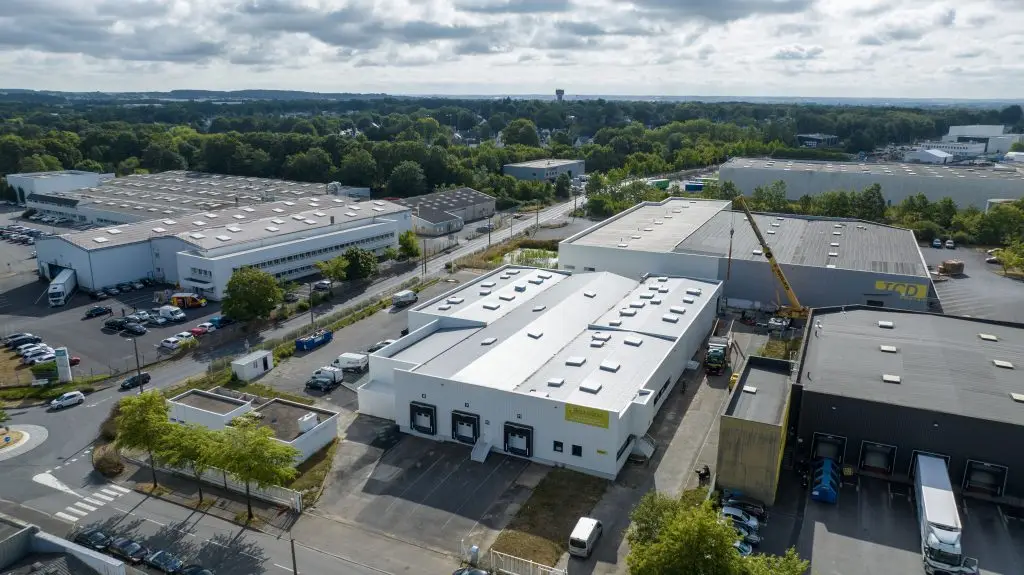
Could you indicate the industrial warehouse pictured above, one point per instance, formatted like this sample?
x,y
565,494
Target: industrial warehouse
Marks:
x,y
872,389
544,170
966,185
563,369
827,261
447,211
200,250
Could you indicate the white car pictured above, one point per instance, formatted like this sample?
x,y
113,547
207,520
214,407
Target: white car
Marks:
x,y
184,336
209,327
142,315
171,343
27,359
23,349
322,285
68,399
46,358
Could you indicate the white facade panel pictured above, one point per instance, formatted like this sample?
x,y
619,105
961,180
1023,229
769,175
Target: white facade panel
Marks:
x,y
317,438
47,182
377,399
634,264
120,264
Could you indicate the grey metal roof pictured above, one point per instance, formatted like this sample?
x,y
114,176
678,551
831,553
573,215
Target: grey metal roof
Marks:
x,y
551,163
796,240
762,390
881,169
445,200
651,226
433,215
944,363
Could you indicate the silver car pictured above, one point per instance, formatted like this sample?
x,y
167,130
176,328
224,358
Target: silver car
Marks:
x,y
740,516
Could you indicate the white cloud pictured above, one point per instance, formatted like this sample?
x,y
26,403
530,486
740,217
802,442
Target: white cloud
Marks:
x,y
703,47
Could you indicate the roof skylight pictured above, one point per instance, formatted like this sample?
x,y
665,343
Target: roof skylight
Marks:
x,y
575,361
224,238
612,366
488,340
159,230
887,378
590,387
272,228
196,236
101,240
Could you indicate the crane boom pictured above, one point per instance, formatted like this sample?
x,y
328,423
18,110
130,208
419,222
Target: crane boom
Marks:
x,y
795,308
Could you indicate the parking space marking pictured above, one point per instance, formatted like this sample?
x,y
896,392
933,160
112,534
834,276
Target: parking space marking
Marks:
x,y
289,569
401,496
472,493
111,493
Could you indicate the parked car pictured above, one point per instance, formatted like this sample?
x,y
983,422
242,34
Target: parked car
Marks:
x,y
321,384
744,549
13,343
135,329
97,295
115,323
751,506
203,329
111,290
937,243
171,343
24,348
165,562
125,286
136,380
469,571
740,516
184,336
195,570
291,297
141,315
74,360
45,358
950,245
97,311
37,352
14,336
380,345
322,285
128,550
68,399
139,285
747,535
92,538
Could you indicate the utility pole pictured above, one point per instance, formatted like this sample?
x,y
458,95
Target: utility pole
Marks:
x,y
538,219
311,322
424,257
138,364
295,567
490,224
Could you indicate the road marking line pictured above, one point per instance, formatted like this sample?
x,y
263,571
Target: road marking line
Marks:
x,y
289,569
103,497
77,511
65,516
84,506
74,460
93,501
154,521
111,492
121,489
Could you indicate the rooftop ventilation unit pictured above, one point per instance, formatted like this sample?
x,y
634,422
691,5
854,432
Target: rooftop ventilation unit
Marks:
x,y
831,266
488,340
655,301
234,229
250,210
224,238
663,279
159,230
647,296
1003,364
589,294
596,343
771,232
694,291
615,322
688,299
677,309
101,240
298,217
455,300
833,254
575,361
556,382
277,221
544,276
536,281
886,324
887,348
988,337
633,341
272,228
210,216
634,237
891,378
350,214
513,272
520,287
170,222
648,229
837,233
627,312
539,308
670,318
492,306
590,387
623,245
487,284
485,292
749,389
113,232
601,336
611,366
196,236
199,223
654,287
834,244
637,304
278,211
444,307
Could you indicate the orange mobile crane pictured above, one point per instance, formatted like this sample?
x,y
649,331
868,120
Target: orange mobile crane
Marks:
x,y
794,310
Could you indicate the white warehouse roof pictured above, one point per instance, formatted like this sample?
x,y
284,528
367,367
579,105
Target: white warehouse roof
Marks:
x,y
592,339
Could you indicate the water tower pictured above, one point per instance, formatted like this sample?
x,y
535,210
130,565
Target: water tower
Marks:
x,y
559,93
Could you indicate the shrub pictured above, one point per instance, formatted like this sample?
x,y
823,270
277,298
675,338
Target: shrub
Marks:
x,y
302,305
107,461
108,429
962,238
284,351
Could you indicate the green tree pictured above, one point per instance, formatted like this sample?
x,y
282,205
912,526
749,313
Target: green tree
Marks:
x,y
143,425
357,168
563,186
89,166
649,517
390,254
771,198
1017,147
190,447
251,294
407,180
334,269
870,204
408,245
313,165
691,540
249,453
362,264
763,564
595,184
520,131
39,163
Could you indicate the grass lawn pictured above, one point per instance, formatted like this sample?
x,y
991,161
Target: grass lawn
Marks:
x,y
15,438
540,531
12,371
313,472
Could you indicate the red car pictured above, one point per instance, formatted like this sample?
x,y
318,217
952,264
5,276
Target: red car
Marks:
x,y
198,331
75,360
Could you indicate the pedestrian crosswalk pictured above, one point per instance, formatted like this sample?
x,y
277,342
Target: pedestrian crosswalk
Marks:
x,y
93,501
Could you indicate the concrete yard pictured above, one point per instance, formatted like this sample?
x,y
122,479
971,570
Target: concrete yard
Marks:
x,y
874,530
980,292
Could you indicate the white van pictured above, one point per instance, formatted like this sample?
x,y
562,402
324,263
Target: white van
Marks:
x,y
352,362
584,537
404,298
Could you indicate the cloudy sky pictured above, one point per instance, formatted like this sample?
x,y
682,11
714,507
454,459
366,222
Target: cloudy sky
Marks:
x,y
863,48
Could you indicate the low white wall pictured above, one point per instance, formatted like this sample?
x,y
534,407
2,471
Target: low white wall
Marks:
x,y
315,439
181,413
44,542
377,398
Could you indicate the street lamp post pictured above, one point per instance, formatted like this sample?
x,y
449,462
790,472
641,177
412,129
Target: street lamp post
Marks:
x,y
311,320
138,364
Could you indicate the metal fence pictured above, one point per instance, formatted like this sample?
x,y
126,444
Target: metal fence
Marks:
x,y
504,564
219,478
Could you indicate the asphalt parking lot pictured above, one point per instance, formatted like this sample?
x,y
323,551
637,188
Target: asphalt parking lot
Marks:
x,y
871,530
979,292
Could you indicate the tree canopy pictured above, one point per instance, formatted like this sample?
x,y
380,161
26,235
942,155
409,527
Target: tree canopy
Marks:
x,y
249,453
334,269
362,263
142,424
251,294
408,245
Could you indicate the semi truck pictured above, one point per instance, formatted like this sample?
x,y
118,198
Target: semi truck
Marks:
x,y
939,517
62,287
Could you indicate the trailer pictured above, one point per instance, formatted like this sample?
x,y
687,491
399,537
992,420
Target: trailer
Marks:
x,y
62,288
939,516
314,340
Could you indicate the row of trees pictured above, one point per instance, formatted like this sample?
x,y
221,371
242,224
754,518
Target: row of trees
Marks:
x,y
668,535
252,293
245,450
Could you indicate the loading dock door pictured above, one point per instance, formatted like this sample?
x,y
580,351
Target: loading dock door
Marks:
x,y
827,446
913,460
465,427
986,478
423,418
519,439
877,457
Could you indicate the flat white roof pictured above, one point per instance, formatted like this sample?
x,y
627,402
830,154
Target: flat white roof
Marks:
x,y
589,339
651,226
549,163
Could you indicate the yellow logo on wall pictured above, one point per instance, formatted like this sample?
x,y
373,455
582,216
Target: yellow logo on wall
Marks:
x,y
586,415
905,290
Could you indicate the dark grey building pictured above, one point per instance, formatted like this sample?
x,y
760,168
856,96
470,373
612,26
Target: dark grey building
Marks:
x,y
447,211
877,386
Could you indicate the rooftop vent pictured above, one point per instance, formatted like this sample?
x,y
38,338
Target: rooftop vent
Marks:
x,y
487,284
837,233
601,336
101,240
694,291
590,387
544,276
758,252
775,225
159,230
492,306
590,294
513,272
834,244
520,287
536,281
688,299
224,238
886,324
677,309
647,296
272,228
210,216
485,292
623,245
771,232
1018,397
298,217
196,236
170,222
670,318
556,382
319,214
611,366
504,276
575,361
234,229
837,225
663,290
891,378
663,279
648,229
633,341
656,301
276,221
539,307
113,232
278,211
596,343
887,348
627,312
833,254
615,322
637,304
988,337
831,266
1003,364
248,210
455,300
350,214
199,223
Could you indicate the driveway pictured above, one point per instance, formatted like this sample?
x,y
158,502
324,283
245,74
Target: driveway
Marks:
x,y
980,292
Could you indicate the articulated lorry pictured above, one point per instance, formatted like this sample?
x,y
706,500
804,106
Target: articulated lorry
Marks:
x,y
939,516
62,287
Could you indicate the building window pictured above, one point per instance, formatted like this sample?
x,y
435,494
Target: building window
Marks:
x,y
558,446
586,269
577,450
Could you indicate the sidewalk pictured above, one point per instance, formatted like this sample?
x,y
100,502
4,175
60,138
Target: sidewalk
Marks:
x,y
271,519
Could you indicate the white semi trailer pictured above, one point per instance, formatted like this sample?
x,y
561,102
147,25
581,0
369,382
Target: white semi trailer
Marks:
x,y
939,516
62,287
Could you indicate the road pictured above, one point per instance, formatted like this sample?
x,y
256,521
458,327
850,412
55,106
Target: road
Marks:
x,y
46,480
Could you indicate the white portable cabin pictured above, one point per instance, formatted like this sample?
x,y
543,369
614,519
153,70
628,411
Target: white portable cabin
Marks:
x,y
253,365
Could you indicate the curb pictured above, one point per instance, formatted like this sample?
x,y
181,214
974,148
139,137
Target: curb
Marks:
x,y
195,509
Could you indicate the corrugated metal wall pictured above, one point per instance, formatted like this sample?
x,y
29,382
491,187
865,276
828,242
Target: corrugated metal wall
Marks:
x,y
909,429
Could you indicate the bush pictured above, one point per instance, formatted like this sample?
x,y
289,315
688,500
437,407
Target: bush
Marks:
x,y
302,305
107,461
284,351
926,231
962,238
108,429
